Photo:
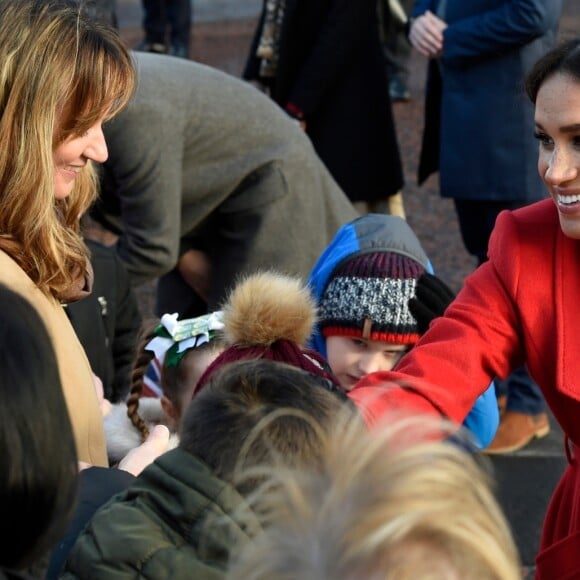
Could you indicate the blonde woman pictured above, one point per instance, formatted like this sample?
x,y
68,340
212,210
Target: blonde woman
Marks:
x,y
62,76
392,504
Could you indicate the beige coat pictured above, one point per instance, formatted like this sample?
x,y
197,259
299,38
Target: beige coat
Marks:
x,y
75,372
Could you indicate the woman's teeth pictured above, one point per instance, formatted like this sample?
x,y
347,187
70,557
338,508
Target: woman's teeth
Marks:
x,y
568,199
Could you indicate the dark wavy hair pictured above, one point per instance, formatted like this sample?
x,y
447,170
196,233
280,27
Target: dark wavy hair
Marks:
x,y
563,59
38,478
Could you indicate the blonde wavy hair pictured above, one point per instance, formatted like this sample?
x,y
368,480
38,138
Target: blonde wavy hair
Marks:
x,y
392,504
60,72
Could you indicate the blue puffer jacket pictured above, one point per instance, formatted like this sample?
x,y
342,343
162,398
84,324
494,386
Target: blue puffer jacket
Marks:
x,y
377,232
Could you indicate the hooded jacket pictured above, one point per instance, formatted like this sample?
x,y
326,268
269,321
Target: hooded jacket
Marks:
x,y
384,233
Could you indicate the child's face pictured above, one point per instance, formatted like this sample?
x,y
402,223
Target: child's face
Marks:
x,y
351,358
195,363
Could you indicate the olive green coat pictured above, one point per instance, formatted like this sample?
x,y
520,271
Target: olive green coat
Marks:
x,y
177,520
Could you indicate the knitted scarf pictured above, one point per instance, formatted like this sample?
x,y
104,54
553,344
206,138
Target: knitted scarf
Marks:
x,y
269,44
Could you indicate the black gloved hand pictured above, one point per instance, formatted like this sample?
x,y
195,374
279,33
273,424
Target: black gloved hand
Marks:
x,y
433,296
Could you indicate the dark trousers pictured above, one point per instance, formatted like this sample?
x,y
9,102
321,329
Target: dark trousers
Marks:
x,y
161,15
173,294
228,238
523,394
476,221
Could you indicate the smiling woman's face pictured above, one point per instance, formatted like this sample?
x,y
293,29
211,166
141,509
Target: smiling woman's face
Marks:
x,y
71,156
558,131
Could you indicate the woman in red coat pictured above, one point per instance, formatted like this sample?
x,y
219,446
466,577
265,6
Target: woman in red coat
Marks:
x,y
520,307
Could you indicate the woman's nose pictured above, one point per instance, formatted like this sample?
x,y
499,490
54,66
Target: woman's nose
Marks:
x,y
561,167
96,149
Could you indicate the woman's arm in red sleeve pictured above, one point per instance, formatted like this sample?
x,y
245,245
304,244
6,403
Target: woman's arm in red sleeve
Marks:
x,y
476,340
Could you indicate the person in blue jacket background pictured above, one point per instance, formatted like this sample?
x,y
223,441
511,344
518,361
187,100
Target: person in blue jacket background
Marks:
x,y
376,296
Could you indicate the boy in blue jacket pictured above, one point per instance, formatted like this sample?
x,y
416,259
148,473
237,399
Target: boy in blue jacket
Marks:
x,y
376,296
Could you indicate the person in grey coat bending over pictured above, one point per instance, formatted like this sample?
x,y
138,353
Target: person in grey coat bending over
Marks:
x,y
208,179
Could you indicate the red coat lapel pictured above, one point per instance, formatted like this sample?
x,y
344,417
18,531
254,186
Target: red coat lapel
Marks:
x,y
567,315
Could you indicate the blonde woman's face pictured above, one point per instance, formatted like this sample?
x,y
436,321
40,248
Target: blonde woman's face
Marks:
x,y
558,131
71,156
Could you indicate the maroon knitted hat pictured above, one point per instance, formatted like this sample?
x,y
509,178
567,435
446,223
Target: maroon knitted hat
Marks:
x,y
368,296
282,350
269,316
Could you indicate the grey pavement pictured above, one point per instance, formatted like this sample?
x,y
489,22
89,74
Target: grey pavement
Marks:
x,y
525,481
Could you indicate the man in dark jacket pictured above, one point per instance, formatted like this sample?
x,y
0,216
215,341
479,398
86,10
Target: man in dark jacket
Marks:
x,y
479,125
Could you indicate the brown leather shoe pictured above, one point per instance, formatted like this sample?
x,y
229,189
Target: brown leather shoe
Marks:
x,y
516,430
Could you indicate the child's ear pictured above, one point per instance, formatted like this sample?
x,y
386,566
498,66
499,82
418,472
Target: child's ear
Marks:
x,y
170,412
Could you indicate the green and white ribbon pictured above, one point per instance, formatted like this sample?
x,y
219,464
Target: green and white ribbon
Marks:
x,y
173,337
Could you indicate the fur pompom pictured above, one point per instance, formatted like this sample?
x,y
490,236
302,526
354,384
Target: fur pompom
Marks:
x,y
267,306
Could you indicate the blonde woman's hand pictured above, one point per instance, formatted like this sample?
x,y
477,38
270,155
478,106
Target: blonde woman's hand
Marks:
x,y
139,458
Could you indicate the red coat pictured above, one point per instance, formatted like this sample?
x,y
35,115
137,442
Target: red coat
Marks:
x,y
522,306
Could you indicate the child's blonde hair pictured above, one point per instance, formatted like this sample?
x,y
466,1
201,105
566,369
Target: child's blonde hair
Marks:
x,y
394,504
